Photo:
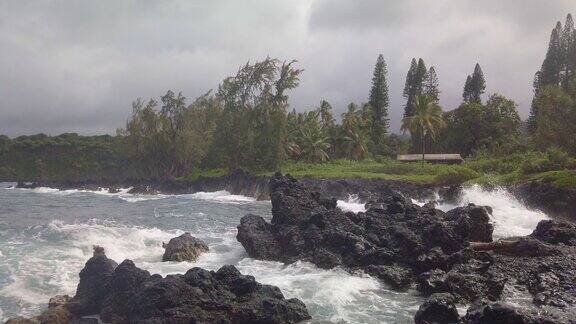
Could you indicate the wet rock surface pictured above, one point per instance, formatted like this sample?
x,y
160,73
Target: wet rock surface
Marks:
x,y
438,308
127,294
184,248
93,286
554,232
392,234
406,245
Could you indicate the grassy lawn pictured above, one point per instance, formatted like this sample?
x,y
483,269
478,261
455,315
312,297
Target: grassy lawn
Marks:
x,y
505,170
384,169
509,169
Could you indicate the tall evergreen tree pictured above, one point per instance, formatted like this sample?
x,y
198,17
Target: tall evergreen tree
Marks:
x,y
420,75
552,65
379,101
408,88
431,85
466,92
567,55
414,84
475,86
558,65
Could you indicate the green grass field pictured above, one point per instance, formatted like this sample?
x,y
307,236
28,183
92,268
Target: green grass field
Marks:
x,y
506,170
514,168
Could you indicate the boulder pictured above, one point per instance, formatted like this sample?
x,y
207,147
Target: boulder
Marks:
x,y
499,313
438,308
27,185
473,222
143,189
124,283
184,248
555,232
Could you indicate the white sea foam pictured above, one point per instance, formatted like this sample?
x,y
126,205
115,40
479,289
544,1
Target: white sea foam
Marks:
x,y
352,204
510,216
222,196
332,294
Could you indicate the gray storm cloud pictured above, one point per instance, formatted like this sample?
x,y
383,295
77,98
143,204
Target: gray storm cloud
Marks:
x,y
77,65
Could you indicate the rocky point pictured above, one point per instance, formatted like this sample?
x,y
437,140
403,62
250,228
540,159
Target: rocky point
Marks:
x,y
449,256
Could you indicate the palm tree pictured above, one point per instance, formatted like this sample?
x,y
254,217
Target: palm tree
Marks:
x,y
426,120
314,145
351,119
357,144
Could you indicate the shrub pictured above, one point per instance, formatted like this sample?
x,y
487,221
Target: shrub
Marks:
x,y
456,175
554,159
535,166
558,158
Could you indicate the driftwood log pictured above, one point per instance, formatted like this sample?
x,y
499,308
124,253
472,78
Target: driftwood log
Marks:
x,y
521,247
490,246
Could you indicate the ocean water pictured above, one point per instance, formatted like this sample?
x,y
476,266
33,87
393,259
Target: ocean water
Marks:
x,y
46,236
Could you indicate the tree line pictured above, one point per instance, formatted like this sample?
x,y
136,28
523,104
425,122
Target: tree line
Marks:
x,y
247,121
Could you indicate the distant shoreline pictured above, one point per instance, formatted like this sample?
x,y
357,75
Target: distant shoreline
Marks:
x,y
556,202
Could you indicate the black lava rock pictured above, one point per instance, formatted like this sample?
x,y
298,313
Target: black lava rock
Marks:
x,y
184,248
438,308
127,294
94,284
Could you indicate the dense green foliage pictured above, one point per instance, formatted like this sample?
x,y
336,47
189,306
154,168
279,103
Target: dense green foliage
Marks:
x,y
64,157
554,124
475,126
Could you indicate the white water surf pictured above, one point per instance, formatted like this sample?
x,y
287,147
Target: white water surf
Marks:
x,y
509,215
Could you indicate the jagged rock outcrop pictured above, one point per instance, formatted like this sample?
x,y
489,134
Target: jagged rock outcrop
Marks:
x,y
406,245
394,240
93,286
184,248
127,294
199,296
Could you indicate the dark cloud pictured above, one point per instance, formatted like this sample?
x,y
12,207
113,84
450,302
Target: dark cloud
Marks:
x,y
77,65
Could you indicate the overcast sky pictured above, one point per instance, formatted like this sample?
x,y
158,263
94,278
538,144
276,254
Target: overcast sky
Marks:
x,y
78,65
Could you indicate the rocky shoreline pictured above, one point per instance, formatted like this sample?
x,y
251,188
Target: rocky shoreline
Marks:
x,y
408,246
450,257
559,203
